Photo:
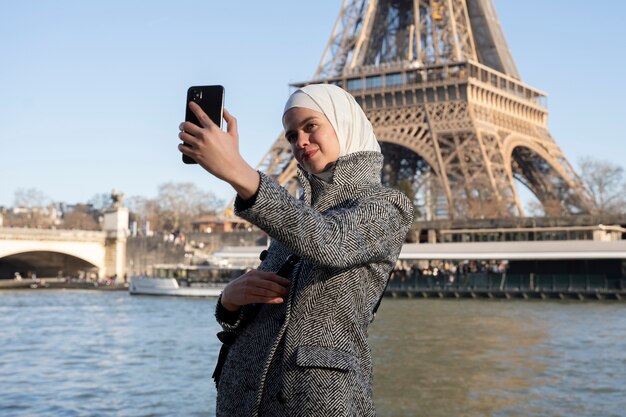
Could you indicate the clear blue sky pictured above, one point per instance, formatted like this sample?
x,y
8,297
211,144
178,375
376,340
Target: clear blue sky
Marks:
x,y
92,92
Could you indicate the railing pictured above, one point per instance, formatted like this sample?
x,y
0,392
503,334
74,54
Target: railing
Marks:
x,y
377,78
507,282
27,232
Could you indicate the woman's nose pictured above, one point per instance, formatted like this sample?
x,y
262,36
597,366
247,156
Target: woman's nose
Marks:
x,y
303,140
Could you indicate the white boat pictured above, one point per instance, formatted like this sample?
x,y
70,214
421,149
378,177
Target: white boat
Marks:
x,y
171,286
184,280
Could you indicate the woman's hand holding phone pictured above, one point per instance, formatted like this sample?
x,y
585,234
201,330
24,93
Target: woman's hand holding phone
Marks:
x,y
218,151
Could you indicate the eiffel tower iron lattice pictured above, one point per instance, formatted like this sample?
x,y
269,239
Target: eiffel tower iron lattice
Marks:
x,y
456,124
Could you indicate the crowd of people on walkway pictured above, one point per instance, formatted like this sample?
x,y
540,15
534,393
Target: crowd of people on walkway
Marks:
x,y
450,272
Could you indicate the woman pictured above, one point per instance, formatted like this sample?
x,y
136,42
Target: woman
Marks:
x,y
301,346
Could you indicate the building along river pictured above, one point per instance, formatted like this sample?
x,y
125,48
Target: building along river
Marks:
x,y
92,353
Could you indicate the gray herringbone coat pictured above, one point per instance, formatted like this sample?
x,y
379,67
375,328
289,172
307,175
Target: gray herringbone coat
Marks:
x,y
309,356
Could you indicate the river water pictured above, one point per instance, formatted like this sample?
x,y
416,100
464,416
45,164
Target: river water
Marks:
x,y
98,353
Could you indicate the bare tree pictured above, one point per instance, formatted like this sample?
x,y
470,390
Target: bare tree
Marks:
x,y
100,201
175,207
32,208
30,198
605,181
145,210
80,220
180,203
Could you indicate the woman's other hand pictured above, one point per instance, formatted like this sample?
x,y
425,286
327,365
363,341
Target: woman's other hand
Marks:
x,y
218,151
255,287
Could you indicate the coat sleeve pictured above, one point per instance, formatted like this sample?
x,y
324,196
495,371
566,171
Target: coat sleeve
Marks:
x,y
234,321
227,319
369,230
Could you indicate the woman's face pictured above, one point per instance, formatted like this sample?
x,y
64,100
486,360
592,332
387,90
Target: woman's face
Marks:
x,y
313,140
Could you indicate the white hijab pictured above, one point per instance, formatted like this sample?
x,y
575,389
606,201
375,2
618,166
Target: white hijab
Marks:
x,y
353,129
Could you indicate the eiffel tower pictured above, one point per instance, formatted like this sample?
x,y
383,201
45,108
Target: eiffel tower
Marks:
x,y
456,124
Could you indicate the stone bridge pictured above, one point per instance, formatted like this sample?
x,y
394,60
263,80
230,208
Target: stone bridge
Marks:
x,y
48,253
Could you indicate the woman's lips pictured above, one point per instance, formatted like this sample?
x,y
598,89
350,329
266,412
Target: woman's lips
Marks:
x,y
308,154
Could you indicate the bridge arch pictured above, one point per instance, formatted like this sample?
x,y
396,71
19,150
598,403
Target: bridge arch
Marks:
x,y
18,249
45,264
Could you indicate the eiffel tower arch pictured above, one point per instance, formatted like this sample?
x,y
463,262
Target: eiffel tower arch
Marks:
x,y
455,122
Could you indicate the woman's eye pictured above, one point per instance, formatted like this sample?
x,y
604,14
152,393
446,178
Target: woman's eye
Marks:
x,y
311,126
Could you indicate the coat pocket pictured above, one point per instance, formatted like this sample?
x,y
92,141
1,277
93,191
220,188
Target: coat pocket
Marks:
x,y
323,357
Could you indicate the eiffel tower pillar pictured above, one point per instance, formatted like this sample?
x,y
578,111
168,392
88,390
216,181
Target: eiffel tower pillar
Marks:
x,y
455,122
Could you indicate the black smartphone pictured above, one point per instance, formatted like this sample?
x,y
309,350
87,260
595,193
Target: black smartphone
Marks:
x,y
211,99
